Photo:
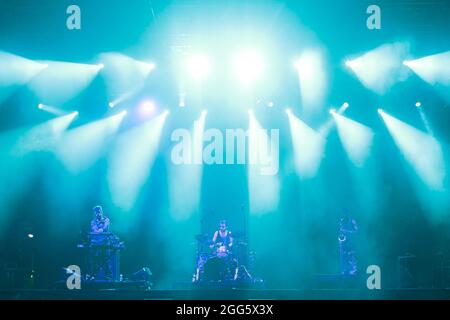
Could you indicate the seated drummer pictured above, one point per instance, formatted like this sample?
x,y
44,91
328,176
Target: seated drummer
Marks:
x,y
100,223
222,239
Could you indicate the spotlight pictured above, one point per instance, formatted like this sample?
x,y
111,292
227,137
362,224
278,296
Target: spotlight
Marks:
x,y
123,113
148,106
332,111
270,104
204,112
418,104
166,112
406,63
40,106
150,66
182,104
30,236
288,111
111,104
198,66
250,111
349,63
101,66
45,66
346,105
248,66
380,111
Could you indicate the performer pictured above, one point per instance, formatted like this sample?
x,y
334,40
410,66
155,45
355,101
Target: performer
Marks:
x,y
347,229
221,265
100,223
100,253
222,239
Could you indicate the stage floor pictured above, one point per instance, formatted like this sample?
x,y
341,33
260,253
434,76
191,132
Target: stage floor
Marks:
x,y
233,294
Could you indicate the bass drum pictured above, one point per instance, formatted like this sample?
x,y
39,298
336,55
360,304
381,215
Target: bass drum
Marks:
x,y
219,269
215,269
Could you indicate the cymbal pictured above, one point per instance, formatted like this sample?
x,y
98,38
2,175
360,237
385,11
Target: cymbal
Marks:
x,y
238,234
201,237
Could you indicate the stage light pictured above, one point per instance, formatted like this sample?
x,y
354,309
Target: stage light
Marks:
x,y
288,111
346,105
380,111
63,81
355,137
250,111
270,104
185,180
131,161
349,63
308,146
79,148
263,166
421,150
248,66
44,136
204,112
52,110
149,66
16,71
418,104
124,76
312,79
379,69
198,66
147,108
332,111
30,236
101,66
434,69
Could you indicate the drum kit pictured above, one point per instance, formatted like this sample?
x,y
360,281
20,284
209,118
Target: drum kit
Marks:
x,y
215,262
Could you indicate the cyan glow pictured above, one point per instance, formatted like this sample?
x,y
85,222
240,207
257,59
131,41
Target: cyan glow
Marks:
x,y
380,68
124,76
16,71
308,147
264,190
44,136
53,110
131,160
433,69
79,148
248,66
421,151
313,79
198,66
185,180
355,137
62,81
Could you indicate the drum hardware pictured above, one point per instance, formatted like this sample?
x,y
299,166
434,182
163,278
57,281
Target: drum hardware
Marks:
x,y
216,262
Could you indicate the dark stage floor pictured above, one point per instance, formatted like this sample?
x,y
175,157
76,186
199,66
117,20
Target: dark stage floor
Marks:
x,y
233,294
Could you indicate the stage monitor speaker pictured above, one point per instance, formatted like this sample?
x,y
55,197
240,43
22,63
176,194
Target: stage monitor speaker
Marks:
x,y
407,271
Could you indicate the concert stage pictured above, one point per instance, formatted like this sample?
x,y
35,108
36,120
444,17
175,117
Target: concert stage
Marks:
x,y
224,150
